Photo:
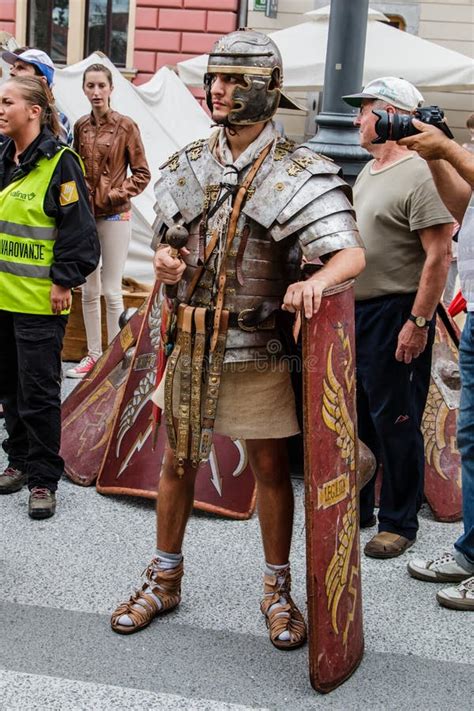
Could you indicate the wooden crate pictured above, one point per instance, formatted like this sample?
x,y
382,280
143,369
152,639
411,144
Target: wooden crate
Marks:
x,y
75,344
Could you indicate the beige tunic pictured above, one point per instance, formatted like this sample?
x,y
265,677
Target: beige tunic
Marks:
x,y
256,401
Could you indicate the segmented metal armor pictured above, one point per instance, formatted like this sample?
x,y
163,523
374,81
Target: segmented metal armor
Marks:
x,y
298,205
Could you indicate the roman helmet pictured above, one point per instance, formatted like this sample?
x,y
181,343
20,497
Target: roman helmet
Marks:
x,y
256,58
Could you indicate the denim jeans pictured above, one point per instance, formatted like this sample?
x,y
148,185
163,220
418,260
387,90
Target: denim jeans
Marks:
x,y
464,546
30,390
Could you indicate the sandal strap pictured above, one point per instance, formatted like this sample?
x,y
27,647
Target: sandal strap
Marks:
x,y
166,584
141,607
283,618
276,586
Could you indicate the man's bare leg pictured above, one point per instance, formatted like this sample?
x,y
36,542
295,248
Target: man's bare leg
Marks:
x,y
162,588
269,461
174,504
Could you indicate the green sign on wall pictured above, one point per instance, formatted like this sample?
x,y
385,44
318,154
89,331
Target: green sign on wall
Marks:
x,y
269,7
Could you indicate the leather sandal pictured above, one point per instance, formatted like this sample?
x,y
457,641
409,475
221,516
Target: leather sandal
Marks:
x,y
285,617
141,608
387,545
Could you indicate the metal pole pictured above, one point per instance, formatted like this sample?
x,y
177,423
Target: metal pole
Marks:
x,y
336,136
243,13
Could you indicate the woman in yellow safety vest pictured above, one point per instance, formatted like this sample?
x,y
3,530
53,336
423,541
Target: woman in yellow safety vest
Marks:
x,y
48,245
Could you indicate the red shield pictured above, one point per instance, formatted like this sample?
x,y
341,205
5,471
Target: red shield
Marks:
x,y
224,485
335,629
87,414
442,458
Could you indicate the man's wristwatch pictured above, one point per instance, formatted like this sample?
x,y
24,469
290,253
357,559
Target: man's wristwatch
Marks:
x,y
420,321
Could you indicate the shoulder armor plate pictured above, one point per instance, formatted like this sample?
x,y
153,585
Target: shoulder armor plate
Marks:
x,y
184,179
331,202
290,173
178,190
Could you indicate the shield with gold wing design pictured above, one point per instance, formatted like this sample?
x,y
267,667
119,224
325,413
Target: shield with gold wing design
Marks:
x,y
224,485
442,458
88,413
335,629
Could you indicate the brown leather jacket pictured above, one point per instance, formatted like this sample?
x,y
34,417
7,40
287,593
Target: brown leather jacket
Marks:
x,y
112,190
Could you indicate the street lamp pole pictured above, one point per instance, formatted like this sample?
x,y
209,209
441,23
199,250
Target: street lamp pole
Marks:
x,y
336,135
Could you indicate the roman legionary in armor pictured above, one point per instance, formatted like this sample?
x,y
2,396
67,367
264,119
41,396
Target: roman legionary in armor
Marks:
x,y
236,217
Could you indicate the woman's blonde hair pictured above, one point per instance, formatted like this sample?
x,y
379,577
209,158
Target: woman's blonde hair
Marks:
x,y
36,92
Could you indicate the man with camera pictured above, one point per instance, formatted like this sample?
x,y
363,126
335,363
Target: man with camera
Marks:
x,y
452,168
406,230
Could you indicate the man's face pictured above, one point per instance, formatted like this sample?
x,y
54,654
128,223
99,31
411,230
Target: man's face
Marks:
x,y
21,69
222,90
366,121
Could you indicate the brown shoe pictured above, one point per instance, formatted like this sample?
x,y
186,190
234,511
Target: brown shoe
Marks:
x,y
11,480
142,608
387,545
42,502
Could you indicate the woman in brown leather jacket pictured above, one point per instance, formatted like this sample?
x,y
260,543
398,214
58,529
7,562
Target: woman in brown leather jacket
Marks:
x,y
110,145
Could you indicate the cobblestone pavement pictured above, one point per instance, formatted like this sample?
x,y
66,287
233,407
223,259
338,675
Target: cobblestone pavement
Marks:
x,y
60,578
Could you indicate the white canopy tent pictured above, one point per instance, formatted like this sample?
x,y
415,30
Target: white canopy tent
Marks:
x,y
168,116
389,52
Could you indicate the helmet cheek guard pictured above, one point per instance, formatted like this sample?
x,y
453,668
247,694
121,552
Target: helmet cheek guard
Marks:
x,y
254,101
256,60
207,89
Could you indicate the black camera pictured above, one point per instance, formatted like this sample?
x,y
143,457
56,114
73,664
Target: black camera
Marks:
x,y
393,127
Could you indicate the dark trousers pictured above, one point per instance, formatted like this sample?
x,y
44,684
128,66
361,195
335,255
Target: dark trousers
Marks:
x,y
30,390
391,397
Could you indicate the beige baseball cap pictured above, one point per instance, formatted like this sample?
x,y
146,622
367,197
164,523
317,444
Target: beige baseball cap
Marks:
x,y
395,91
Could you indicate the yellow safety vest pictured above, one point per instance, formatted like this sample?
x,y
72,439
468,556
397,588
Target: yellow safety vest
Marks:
x,y
27,237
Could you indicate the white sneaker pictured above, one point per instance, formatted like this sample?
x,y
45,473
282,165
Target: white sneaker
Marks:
x,y
81,369
443,569
460,598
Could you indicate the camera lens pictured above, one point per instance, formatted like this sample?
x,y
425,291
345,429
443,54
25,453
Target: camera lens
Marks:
x,y
402,127
392,127
382,126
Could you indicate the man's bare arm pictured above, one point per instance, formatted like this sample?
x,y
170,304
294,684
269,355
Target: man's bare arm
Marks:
x,y
452,166
306,295
436,242
453,190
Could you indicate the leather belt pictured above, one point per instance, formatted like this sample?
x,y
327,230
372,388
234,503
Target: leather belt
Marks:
x,y
216,362
231,230
240,321
193,438
182,444
261,318
169,379
196,381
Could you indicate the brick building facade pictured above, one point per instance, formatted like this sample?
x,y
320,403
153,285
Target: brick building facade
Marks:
x,y
161,32
168,31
